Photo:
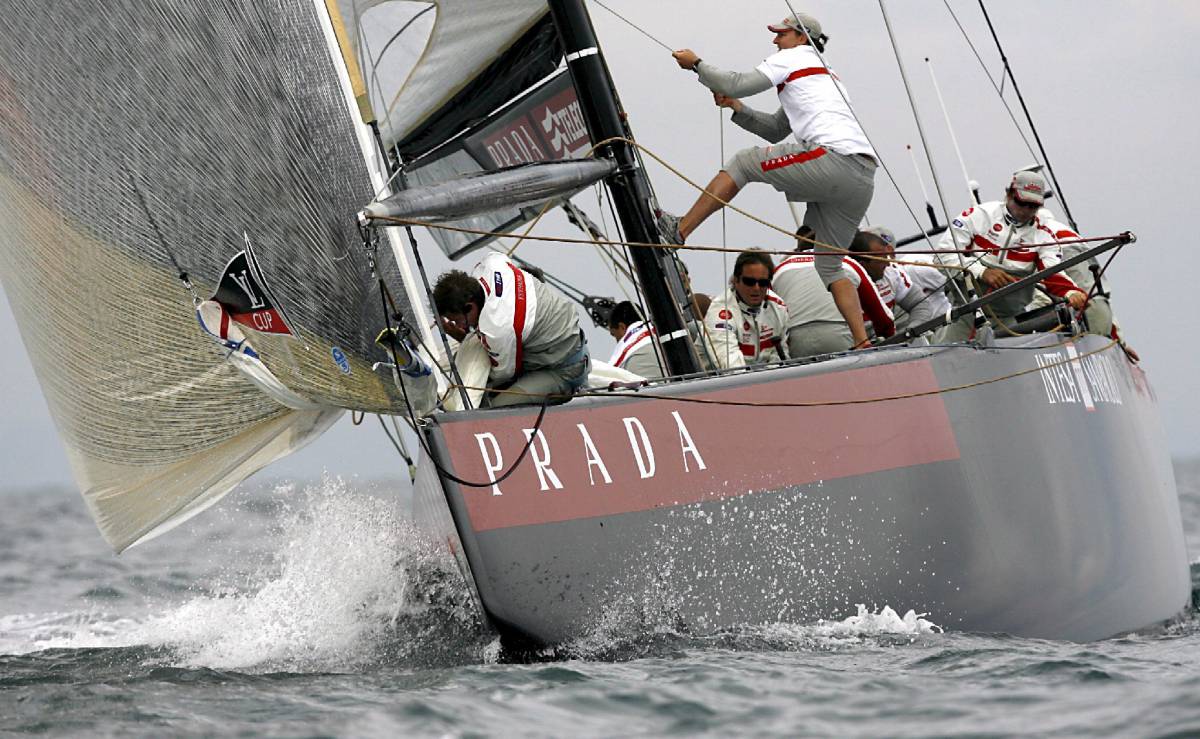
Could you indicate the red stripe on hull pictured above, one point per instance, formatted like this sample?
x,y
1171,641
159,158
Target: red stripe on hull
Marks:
x,y
706,452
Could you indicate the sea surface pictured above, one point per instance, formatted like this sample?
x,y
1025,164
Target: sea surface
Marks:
x,y
312,610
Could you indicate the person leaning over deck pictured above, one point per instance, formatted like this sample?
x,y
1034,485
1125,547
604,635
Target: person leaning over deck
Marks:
x,y
815,326
1005,241
531,332
634,351
918,290
746,324
831,165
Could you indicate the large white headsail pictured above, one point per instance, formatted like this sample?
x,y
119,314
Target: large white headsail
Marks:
x,y
141,136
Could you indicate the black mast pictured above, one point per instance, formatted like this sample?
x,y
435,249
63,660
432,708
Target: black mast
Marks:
x,y
629,187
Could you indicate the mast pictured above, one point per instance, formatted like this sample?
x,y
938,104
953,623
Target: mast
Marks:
x,y
629,186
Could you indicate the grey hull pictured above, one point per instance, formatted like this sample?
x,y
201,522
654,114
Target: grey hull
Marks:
x,y
1040,505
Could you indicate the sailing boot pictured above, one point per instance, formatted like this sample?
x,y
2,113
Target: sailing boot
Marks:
x,y
668,228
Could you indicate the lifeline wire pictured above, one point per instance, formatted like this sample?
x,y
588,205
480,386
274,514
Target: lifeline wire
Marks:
x,y
826,403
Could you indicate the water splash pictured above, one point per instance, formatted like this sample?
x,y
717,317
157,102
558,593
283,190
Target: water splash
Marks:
x,y
348,584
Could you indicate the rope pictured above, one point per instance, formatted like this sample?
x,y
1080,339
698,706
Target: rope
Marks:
x,y
634,26
827,403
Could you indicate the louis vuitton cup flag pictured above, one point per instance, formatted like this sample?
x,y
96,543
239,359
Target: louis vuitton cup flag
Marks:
x,y
243,292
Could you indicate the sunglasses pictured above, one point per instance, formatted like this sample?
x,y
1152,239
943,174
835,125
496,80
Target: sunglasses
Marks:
x,y
752,282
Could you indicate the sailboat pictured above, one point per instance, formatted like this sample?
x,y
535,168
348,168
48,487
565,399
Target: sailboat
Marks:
x,y
205,223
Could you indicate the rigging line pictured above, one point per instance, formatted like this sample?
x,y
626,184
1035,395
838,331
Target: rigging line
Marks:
x,y
637,286
180,272
937,185
416,252
379,58
998,88
685,247
399,450
384,299
827,403
1029,118
534,222
609,252
879,157
634,26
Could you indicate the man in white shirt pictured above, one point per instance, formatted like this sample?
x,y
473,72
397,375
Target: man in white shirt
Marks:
x,y
830,165
919,291
748,323
1004,241
531,332
814,324
635,351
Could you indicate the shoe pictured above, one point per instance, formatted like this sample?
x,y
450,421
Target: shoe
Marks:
x,y
668,228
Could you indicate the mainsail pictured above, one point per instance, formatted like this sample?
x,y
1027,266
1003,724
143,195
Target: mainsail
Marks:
x,y
485,92
226,118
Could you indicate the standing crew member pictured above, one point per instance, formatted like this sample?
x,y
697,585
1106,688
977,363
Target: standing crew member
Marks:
x,y
831,165
530,331
747,323
1005,241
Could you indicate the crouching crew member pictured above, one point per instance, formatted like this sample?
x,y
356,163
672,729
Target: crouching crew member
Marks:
x,y
531,332
1006,241
746,324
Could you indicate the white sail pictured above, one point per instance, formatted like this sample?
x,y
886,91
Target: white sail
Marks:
x,y
462,39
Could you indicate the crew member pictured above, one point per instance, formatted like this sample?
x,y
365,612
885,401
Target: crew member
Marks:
x,y
1098,314
746,324
831,165
635,350
1005,241
531,332
815,325
918,290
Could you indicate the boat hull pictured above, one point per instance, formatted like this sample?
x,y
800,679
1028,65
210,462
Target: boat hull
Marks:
x,y
1040,505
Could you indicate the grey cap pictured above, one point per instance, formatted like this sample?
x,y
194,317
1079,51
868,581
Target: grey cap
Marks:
x,y
1029,187
883,234
799,22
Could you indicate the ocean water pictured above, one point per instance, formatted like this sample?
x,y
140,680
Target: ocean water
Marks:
x,y
312,610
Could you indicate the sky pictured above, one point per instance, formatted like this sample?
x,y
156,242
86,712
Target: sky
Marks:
x,y
1111,85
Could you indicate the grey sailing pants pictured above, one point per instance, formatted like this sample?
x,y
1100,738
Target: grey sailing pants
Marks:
x,y
836,187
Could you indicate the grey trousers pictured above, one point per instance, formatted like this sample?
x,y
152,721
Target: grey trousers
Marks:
x,y
818,337
836,187
554,385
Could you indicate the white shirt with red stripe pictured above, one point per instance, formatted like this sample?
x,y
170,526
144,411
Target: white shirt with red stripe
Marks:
x,y
742,335
992,240
809,301
926,298
508,313
635,353
815,102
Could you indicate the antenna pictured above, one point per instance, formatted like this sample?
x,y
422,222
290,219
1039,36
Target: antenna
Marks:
x,y
921,181
972,192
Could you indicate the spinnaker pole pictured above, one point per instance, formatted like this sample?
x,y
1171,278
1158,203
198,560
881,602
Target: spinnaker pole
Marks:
x,y
629,186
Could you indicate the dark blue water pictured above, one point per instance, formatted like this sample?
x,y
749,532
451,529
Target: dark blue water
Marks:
x,y
310,611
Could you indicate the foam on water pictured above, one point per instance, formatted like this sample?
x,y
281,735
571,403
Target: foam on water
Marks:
x,y
349,585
